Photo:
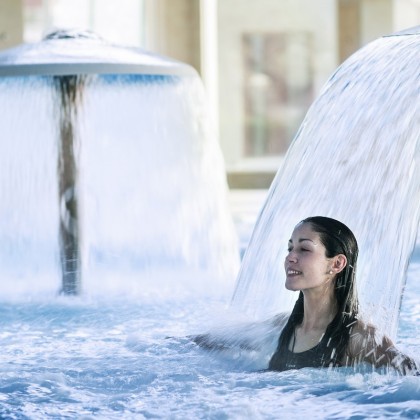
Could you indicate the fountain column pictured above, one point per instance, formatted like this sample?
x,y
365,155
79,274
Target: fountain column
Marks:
x,y
69,91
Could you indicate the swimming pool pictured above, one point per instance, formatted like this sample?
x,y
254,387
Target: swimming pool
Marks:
x,y
108,357
119,350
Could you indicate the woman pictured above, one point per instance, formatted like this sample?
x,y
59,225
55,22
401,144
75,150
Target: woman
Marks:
x,y
324,329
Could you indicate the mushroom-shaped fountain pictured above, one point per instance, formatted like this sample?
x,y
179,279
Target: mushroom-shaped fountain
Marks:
x,y
110,162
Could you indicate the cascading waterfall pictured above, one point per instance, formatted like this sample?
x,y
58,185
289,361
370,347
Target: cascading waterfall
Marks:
x,y
122,138
356,159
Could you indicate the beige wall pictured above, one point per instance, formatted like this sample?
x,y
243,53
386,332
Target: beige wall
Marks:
x,y
11,23
338,27
362,21
173,29
236,17
376,17
117,21
348,27
406,14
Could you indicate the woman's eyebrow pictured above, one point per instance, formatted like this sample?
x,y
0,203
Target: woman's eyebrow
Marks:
x,y
301,240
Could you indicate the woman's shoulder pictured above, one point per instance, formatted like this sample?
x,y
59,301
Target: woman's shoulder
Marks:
x,y
368,331
360,327
368,343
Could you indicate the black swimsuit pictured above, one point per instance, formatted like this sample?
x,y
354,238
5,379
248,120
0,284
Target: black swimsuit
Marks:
x,y
318,356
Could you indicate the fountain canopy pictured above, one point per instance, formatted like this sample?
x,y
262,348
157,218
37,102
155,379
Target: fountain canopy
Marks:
x,y
87,53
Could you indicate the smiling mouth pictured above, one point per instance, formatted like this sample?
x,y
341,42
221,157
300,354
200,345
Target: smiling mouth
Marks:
x,y
293,272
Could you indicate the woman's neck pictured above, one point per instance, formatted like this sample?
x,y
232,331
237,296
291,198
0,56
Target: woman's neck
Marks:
x,y
320,308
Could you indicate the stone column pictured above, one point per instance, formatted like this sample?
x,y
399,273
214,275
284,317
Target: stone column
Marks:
x,y
362,21
173,29
348,28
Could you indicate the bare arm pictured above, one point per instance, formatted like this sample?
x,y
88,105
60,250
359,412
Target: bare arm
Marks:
x,y
367,345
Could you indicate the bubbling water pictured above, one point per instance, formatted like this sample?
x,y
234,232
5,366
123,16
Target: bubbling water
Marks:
x,y
356,159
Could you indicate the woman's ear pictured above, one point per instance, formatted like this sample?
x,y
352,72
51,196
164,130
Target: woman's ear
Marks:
x,y
340,263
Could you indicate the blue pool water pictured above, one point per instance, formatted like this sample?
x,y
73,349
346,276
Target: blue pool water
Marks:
x,y
104,357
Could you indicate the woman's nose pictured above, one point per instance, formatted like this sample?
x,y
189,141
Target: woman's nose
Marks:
x,y
291,256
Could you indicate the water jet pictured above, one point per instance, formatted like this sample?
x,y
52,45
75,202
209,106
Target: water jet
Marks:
x,y
355,158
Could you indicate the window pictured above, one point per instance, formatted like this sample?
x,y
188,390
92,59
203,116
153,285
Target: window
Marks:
x,y
278,89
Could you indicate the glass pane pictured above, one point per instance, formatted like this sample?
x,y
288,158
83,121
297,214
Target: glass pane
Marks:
x,y
278,89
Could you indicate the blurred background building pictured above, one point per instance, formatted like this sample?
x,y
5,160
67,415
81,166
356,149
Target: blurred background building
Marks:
x,y
262,62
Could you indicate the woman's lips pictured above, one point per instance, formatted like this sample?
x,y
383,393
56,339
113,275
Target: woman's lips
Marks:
x,y
290,272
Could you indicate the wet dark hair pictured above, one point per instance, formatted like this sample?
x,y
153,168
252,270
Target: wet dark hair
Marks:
x,y
337,238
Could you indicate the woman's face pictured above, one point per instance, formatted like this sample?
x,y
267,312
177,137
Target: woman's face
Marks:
x,y
306,264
